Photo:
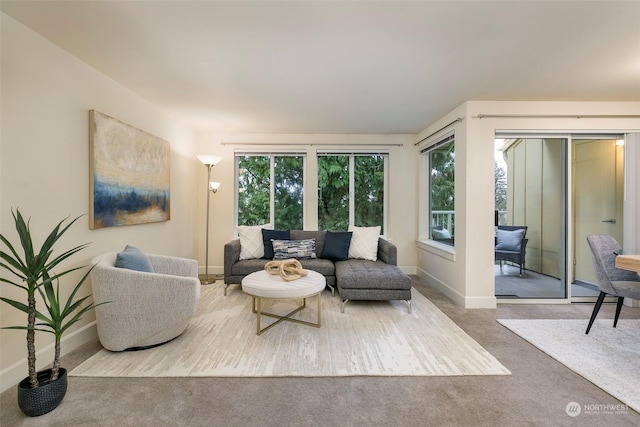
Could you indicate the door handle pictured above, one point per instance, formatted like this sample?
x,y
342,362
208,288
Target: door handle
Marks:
x,y
612,220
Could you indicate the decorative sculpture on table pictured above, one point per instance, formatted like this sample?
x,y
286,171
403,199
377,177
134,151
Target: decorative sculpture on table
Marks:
x,y
288,269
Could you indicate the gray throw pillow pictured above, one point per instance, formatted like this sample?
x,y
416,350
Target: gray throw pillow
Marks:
x,y
509,240
299,249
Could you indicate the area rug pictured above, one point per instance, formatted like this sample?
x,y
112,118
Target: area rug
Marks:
x,y
608,357
374,338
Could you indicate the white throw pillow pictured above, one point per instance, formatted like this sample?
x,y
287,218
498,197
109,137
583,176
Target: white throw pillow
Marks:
x,y
251,244
364,243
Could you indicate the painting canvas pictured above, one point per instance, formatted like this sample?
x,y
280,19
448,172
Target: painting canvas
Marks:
x,y
129,174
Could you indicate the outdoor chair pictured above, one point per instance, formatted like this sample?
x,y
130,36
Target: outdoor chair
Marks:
x,y
511,245
610,279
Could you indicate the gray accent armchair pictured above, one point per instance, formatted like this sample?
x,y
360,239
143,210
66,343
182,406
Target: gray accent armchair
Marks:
x,y
144,309
610,279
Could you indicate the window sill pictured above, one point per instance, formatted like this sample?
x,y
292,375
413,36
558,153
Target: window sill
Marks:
x,y
440,249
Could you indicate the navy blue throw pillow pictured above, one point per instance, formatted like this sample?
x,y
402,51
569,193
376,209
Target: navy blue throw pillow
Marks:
x,y
268,235
336,245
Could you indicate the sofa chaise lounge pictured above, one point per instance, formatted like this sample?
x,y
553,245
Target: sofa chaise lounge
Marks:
x,y
356,279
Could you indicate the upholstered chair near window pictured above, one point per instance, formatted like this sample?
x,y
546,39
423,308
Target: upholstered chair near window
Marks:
x,y
151,299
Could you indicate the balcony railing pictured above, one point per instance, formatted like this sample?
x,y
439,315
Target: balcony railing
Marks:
x,y
444,219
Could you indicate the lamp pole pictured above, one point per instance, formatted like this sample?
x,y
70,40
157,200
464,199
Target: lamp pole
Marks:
x,y
212,187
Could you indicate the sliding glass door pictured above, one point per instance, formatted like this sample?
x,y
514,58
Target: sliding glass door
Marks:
x,y
531,188
562,189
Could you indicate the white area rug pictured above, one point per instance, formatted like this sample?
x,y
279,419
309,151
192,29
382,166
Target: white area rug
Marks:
x,y
608,357
370,338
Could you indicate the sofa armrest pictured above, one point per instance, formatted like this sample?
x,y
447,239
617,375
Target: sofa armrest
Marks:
x,y
387,252
175,266
231,255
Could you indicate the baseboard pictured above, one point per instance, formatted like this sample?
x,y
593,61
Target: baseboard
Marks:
x,y
451,293
457,297
410,270
15,373
212,270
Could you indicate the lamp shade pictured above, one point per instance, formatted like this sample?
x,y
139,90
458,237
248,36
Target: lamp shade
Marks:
x,y
208,159
214,186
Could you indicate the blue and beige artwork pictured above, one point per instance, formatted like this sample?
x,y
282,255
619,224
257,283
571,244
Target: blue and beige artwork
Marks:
x,y
129,174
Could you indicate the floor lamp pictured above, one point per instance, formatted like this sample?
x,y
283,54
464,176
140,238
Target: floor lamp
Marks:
x,y
212,187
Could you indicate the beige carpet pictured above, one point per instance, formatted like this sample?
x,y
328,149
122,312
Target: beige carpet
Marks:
x,y
608,357
370,338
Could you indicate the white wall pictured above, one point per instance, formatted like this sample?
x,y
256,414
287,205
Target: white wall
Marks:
x,y
467,277
46,95
402,182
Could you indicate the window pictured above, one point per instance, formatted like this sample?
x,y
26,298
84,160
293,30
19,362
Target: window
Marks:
x,y
351,190
441,216
270,190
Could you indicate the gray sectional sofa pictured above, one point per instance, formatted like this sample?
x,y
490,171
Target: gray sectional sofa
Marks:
x,y
356,279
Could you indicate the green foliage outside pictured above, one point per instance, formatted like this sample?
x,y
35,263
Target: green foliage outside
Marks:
x,y
442,180
288,197
253,190
333,191
369,191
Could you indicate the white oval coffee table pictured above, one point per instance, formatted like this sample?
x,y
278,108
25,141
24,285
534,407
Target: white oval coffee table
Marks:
x,y
262,285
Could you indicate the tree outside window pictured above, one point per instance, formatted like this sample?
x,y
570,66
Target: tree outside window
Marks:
x,y
442,192
350,191
260,202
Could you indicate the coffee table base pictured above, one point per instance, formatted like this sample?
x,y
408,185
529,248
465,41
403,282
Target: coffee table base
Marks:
x,y
257,308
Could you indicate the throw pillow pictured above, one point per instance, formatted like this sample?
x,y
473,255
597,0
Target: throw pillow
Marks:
x,y
251,245
364,243
285,249
441,234
509,240
268,235
133,259
336,245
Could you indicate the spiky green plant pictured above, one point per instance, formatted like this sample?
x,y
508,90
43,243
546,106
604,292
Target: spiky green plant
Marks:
x,y
35,271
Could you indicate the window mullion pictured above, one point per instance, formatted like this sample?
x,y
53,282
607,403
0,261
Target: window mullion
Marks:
x,y
352,191
272,191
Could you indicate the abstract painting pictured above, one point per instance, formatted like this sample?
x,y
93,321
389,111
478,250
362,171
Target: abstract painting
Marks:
x,y
129,174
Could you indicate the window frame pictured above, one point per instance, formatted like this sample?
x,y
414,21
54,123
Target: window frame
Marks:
x,y
352,154
271,154
426,167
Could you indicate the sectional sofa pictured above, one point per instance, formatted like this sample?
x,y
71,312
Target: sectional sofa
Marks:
x,y
356,279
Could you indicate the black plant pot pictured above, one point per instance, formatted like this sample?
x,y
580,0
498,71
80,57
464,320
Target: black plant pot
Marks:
x,y
45,398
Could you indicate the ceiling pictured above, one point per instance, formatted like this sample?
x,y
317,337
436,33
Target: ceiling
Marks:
x,y
346,67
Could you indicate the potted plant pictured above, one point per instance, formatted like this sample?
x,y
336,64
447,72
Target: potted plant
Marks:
x,y
42,391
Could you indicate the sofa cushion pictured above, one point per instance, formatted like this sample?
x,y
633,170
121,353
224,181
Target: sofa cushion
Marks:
x,y
133,258
336,245
268,235
251,245
364,243
322,266
364,274
247,266
285,249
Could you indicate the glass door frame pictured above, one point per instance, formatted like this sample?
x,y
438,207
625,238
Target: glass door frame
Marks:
x,y
567,207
